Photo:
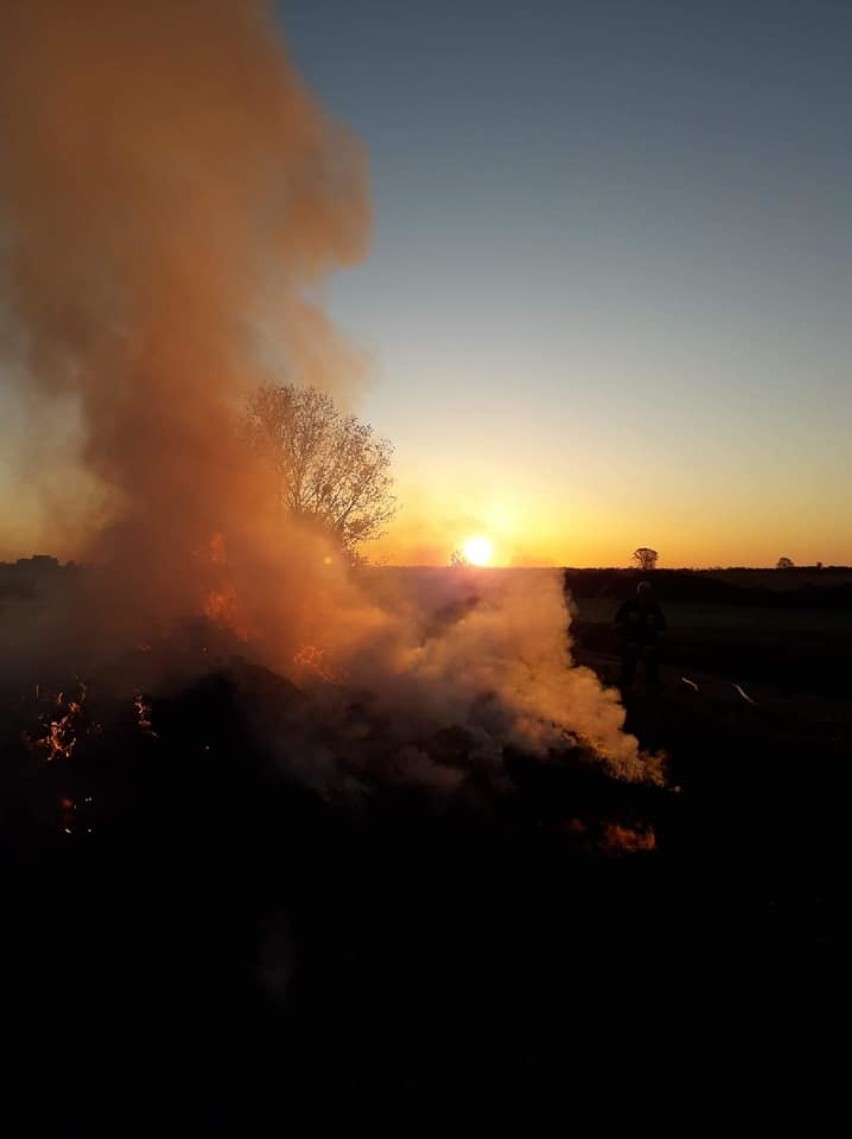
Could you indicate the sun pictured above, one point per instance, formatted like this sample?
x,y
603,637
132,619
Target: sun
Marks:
x,y
478,550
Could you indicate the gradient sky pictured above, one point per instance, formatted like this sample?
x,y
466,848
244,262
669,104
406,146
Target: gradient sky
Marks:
x,y
609,298
608,302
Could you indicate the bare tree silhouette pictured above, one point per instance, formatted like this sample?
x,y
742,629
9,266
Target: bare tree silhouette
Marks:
x,y
645,558
328,466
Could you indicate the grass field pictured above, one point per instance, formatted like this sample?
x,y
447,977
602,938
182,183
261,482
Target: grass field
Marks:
x,y
791,651
780,580
686,618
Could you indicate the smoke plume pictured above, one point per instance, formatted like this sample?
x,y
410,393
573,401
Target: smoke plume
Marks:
x,y
171,200
164,175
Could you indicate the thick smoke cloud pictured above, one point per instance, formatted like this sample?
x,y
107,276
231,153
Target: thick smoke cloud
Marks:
x,y
487,651
171,200
164,175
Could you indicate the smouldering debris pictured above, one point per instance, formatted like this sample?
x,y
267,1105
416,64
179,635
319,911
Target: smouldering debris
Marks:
x,y
143,710
618,839
61,727
312,659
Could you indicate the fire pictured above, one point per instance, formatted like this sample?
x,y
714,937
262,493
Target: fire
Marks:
x,y
143,710
618,839
222,603
217,550
209,193
312,659
63,726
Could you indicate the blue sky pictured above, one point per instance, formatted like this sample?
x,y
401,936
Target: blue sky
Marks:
x,y
611,271
607,302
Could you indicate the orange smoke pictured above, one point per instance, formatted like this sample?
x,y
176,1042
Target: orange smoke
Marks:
x,y
164,174
222,603
171,200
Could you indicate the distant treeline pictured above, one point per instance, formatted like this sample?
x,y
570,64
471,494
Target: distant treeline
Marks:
x,y
828,587
29,577
808,587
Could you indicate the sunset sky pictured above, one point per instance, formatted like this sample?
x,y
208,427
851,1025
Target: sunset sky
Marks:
x,y
608,301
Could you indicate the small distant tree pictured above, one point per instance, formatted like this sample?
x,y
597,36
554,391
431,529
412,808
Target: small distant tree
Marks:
x,y
457,558
645,558
785,564
327,467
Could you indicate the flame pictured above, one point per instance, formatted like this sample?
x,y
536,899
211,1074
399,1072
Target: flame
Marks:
x,y
222,606
62,730
222,603
218,555
618,839
143,711
312,659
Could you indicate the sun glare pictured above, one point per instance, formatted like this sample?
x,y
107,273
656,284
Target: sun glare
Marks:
x,y
478,551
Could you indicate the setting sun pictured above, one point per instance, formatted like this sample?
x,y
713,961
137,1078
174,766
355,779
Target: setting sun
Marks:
x,y
478,550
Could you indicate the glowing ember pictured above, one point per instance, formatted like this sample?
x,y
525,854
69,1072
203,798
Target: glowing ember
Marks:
x,y
143,708
222,607
217,550
312,659
62,730
618,839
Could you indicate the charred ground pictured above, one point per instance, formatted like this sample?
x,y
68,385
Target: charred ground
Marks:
x,y
191,929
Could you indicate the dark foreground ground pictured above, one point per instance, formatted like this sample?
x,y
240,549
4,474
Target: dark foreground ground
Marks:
x,y
226,952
